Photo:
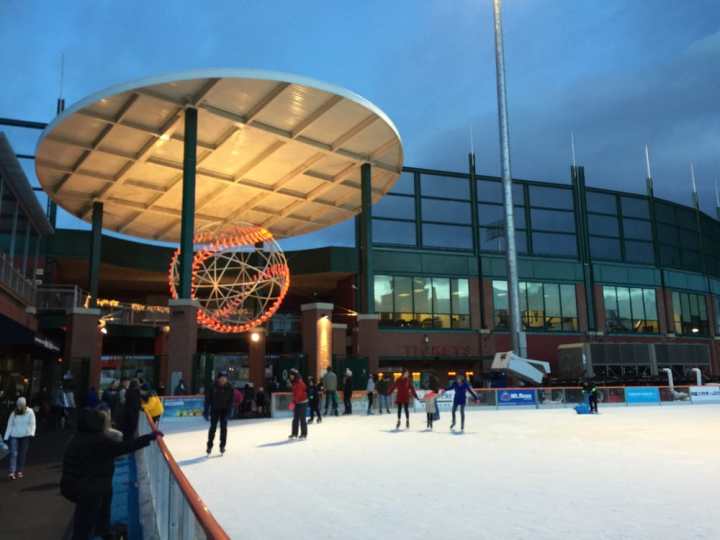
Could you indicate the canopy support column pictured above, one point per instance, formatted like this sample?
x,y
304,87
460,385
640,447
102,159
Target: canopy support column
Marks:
x,y
95,252
367,298
187,231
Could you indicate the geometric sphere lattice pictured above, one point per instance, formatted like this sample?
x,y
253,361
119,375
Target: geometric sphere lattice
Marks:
x,y
239,278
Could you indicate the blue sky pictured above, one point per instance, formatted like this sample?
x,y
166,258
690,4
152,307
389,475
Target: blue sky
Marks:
x,y
618,73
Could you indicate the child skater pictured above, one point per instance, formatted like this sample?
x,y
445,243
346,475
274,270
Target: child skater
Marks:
x,y
431,406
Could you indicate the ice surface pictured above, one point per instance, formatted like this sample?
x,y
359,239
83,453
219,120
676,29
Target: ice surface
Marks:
x,y
629,473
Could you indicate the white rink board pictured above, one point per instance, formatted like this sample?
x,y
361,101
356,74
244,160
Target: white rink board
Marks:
x,y
628,473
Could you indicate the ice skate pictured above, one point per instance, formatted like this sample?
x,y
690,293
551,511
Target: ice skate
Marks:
x,y
398,425
291,437
208,450
311,421
319,420
222,450
407,424
302,437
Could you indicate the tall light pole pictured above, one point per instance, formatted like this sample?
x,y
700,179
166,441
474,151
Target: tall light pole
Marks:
x,y
518,336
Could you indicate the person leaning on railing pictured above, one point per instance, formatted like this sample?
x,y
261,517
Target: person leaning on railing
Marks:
x,y
88,469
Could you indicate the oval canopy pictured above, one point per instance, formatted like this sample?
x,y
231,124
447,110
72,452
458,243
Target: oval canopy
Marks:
x,y
274,150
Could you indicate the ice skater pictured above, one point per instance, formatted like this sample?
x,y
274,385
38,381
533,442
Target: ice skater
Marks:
x,y
404,388
592,392
431,406
314,392
329,381
370,389
462,388
218,404
300,403
382,392
347,391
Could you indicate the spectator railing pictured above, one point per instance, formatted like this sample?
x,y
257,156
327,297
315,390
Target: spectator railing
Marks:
x,y
60,297
15,282
179,513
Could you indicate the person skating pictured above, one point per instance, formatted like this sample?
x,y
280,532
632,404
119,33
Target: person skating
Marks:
x,y
180,389
462,388
431,407
88,468
300,403
260,402
370,389
404,388
329,381
314,392
218,403
20,429
383,395
592,392
347,391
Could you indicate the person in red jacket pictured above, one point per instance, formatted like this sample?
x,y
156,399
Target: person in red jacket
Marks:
x,y
300,402
404,388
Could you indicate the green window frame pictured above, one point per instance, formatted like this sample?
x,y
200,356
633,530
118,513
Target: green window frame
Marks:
x,y
544,307
630,310
690,316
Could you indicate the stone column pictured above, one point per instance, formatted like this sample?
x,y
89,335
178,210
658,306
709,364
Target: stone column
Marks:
x,y
182,341
160,350
83,342
368,336
339,339
256,356
317,334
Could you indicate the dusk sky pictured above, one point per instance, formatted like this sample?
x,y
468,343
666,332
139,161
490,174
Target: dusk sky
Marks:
x,y
619,73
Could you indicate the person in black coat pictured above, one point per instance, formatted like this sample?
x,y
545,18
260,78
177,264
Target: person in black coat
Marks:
x,y
88,468
131,411
314,392
218,404
347,391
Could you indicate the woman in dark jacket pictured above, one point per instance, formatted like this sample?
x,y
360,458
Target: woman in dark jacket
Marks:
x,y
88,468
314,392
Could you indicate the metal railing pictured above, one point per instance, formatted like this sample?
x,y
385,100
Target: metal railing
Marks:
x,y
179,512
60,297
15,281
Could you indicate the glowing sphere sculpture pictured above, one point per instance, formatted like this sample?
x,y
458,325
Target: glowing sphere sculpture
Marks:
x,y
239,277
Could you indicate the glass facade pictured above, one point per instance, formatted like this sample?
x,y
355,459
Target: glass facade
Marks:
x,y
690,316
422,302
545,307
437,210
630,310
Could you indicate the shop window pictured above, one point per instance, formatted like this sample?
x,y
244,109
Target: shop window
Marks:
x,y
689,314
630,310
548,307
393,232
422,302
444,186
395,206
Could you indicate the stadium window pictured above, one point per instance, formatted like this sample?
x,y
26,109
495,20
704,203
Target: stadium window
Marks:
x,y
630,310
637,229
689,314
605,248
492,191
395,207
444,186
561,245
546,307
639,252
603,203
405,184
603,225
422,302
547,197
550,220
446,211
635,207
493,239
447,236
394,232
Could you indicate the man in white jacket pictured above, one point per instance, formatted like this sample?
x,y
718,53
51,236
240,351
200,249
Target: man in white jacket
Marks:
x,y
20,428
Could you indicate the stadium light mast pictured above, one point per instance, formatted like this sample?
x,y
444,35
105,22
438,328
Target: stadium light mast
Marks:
x,y
519,344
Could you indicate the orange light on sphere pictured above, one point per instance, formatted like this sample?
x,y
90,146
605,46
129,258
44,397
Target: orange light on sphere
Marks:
x,y
238,285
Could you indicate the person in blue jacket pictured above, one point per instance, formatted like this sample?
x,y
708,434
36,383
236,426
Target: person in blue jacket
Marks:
x,y
461,388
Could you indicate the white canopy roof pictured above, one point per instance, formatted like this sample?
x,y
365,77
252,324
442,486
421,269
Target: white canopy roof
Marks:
x,y
275,150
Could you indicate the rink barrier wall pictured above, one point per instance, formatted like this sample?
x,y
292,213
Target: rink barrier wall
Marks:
x,y
180,513
533,398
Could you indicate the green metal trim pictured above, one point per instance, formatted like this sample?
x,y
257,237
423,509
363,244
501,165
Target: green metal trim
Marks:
x,y
95,252
367,299
187,231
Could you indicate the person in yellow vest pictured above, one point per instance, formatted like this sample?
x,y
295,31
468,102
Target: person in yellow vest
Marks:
x,y
153,405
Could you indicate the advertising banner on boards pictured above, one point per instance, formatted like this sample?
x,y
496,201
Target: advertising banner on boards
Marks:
x,y
516,397
181,407
705,394
642,394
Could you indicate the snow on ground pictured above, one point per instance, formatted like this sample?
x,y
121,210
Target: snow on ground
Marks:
x,y
628,473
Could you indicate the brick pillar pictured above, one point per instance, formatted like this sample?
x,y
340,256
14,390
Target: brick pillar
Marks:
x,y
83,342
599,308
475,307
317,334
182,341
160,350
581,308
668,312
256,357
661,311
368,337
339,339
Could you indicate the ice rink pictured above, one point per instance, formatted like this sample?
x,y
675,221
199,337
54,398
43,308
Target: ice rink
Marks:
x,y
628,473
